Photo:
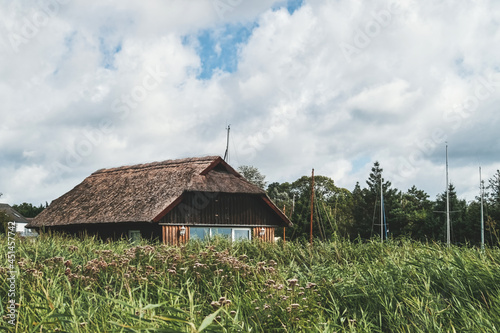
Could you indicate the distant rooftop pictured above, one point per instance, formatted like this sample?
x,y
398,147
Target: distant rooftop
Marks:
x,y
13,214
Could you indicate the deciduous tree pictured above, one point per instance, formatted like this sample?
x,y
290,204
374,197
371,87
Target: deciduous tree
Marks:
x,y
253,175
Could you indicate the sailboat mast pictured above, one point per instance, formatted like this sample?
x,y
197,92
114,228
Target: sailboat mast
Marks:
x,y
448,231
381,210
312,208
481,187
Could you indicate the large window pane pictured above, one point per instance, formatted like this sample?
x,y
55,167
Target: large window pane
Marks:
x,y
226,232
199,233
241,234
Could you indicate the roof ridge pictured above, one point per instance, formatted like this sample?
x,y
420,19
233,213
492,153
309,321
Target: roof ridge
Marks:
x,y
158,164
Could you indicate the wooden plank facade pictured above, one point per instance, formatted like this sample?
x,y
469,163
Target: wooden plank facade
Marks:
x,y
268,234
171,234
221,209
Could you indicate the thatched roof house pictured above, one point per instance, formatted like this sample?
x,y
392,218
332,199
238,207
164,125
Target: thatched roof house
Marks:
x,y
171,200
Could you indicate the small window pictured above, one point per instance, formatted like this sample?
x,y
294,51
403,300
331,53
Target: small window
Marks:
x,y
134,236
199,233
240,234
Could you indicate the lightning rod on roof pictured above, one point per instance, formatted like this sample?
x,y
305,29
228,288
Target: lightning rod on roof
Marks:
x,y
226,154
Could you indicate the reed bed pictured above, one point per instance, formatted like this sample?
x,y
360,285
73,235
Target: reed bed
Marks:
x,y
66,284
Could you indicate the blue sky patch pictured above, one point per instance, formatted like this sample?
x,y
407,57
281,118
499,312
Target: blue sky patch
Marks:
x,y
360,162
290,5
218,48
108,53
293,5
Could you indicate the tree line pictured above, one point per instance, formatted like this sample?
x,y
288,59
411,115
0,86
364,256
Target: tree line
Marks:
x,y
356,214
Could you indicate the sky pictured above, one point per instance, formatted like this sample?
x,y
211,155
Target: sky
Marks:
x,y
329,85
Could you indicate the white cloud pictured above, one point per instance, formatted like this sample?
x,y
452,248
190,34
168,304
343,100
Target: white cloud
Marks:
x,y
81,92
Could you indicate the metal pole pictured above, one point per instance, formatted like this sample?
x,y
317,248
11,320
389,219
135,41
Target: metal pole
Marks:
x,y
481,187
312,208
381,211
448,229
226,154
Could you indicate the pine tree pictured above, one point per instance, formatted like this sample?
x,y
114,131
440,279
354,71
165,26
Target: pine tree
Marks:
x,y
414,212
461,231
493,209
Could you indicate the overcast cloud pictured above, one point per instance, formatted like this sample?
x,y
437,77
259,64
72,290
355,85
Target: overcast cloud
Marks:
x,y
330,85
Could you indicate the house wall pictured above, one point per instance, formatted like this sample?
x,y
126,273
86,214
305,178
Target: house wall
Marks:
x,y
23,231
201,208
268,234
171,234
113,231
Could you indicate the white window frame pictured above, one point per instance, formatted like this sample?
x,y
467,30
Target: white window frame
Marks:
x,y
211,234
246,229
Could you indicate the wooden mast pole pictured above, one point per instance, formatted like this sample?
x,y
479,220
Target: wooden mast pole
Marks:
x,y
312,208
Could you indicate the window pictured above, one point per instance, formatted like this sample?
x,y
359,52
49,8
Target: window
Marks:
x,y
134,236
225,232
241,234
230,233
199,233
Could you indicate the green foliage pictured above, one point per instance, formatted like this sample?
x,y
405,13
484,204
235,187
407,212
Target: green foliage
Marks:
x,y
414,213
339,212
253,175
71,285
494,187
494,204
367,206
28,210
463,230
332,207
4,218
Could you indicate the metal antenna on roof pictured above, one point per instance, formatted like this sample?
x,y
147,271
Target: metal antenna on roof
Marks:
x,y
226,154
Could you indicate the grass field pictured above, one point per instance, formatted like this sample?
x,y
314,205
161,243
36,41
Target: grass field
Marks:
x,y
69,285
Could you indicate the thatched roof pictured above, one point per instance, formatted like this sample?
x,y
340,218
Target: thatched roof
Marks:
x,y
12,213
142,193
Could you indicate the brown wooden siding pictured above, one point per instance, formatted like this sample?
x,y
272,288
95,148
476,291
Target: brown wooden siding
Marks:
x,y
203,208
268,234
171,235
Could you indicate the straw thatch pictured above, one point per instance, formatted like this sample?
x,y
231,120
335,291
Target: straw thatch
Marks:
x,y
141,193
